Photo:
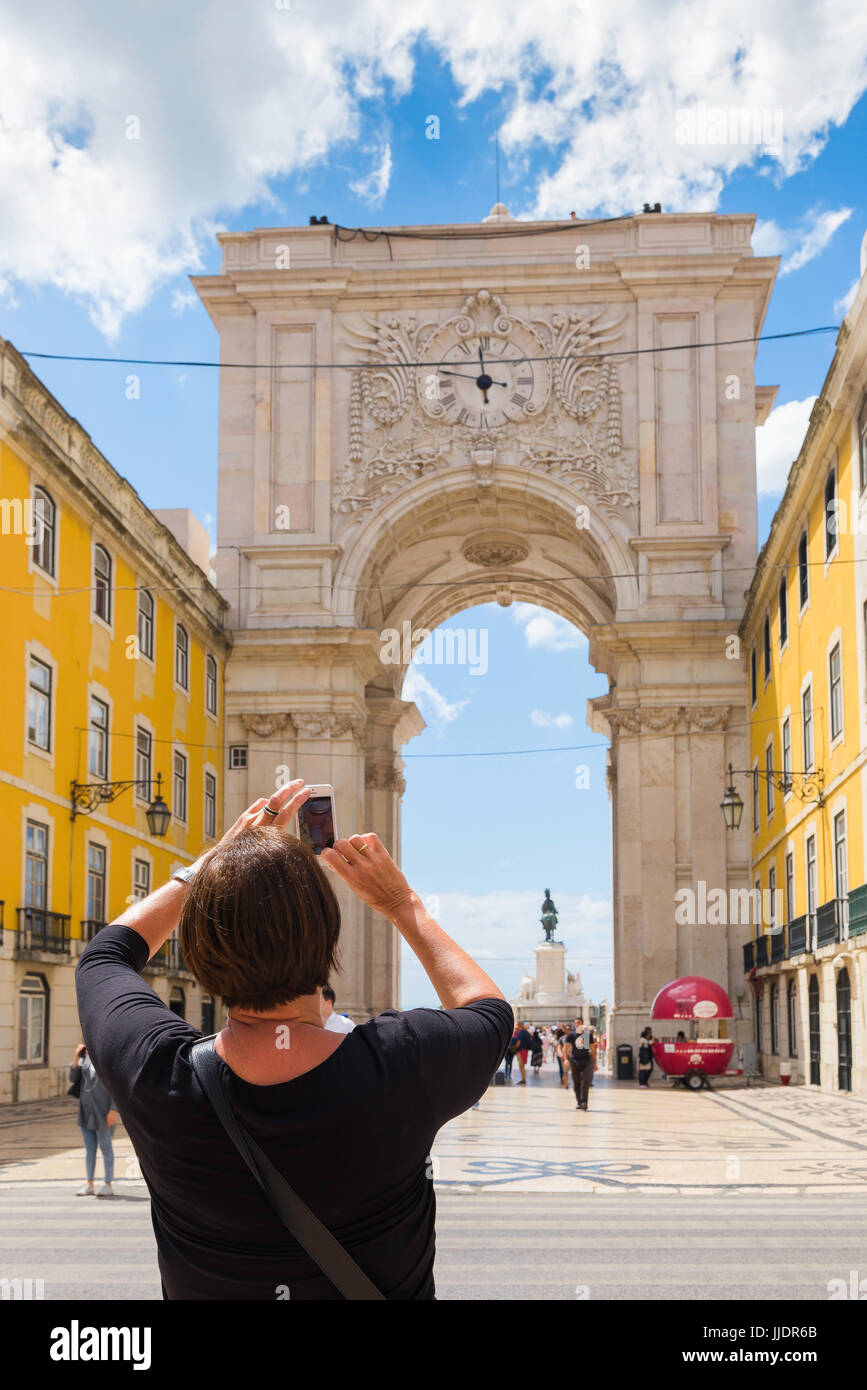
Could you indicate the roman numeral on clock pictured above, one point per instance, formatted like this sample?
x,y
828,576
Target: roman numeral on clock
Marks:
x,y
463,416
518,399
449,399
524,381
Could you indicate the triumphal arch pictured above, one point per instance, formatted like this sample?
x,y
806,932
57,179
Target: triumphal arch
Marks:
x,y
414,420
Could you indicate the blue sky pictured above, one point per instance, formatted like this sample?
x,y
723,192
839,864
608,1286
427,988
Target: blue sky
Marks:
x,y
261,116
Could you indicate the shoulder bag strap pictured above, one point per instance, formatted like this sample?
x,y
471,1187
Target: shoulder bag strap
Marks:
x,y
322,1247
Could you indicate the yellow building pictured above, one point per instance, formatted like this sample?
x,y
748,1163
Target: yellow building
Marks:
x,y
112,675
805,631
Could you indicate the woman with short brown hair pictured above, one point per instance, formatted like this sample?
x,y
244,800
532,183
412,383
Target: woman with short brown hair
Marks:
x,y
347,1118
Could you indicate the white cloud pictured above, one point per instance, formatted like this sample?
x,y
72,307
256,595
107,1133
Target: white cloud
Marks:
x,y
433,705
778,441
546,630
183,299
250,94
550,721
817,230
843,305
499,929
374,186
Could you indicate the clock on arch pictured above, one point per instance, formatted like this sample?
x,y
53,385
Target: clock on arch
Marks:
x,y
484,368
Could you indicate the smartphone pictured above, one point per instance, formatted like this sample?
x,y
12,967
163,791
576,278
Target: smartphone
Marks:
x,y
317,823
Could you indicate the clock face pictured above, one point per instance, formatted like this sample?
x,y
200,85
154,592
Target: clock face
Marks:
x,y
485,380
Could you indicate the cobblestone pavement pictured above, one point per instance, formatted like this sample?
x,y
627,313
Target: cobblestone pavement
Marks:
x,y
738,1193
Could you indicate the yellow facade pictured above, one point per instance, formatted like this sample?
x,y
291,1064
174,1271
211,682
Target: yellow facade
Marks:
x,y
805,631
84,700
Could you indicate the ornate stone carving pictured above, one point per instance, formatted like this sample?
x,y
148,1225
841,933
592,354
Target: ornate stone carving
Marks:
x,y
328,724
384,777
264,725
707,717
657,720
495,552
577,434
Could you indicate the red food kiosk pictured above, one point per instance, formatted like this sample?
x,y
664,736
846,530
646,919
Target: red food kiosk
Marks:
x,y
694,1001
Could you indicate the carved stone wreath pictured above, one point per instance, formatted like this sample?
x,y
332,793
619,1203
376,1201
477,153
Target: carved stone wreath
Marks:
x,y
495,552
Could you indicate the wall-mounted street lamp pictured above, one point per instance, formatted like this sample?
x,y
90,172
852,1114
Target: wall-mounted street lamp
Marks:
x,y
86,796
806,786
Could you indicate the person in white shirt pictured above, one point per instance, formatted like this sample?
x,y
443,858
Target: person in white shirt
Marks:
x,y
335,1023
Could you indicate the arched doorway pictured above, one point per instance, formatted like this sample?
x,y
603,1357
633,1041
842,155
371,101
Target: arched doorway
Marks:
x,y
815,1032
844,1031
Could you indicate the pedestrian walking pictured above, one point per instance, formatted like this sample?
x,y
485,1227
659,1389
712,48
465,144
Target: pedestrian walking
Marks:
x,y
97,1117
510,1053
562,1065
645,1057
536,1052
524,1043
580,1042
334,1022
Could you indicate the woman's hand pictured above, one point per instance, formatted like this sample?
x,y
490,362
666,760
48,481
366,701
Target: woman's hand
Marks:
x,y
111,1118
365,864
285,802
79,1052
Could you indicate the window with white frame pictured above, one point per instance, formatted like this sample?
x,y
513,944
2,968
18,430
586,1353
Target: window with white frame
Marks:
x,y
755,798
792,1015
754,684
210,684
146,616
784,611
237,756
141,879
807,725
772,896
102,583
803,570
182,657
841,860
144,761
45,517
32,1021
835,682
36,865
210,817
97,761
831,519
39,705
766,646
790,886
812,885
769,781
787,755
96,883
179,786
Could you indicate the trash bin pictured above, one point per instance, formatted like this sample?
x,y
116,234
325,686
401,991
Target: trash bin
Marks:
x,y
625,1071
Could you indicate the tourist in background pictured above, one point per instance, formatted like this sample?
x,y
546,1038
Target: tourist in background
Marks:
x,y
334,1022
524,1043
580,1042
645,1057
96,1119
510,1054
537,1052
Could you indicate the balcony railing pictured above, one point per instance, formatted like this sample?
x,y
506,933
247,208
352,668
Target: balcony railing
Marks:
x,y
168,958
798,935
40,930
762,952
749,956
89,927
832,922
778,944
857,910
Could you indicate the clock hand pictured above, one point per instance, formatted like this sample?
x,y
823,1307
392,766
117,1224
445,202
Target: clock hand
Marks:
x,y
470,377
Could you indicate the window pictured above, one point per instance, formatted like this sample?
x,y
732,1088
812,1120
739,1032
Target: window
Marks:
x,y
772,896
784,612
769,780
775,1018
32,1021
835,680
102,583
790,886
97,762
210,685
831,514
179,785
144,762
792,1016
210,805
841,860
754,685
787,755
207,1015
758,1023
862,444
177,1002
757,905
755,798
803,570
812,890
39,705
141,879
36,865
182,657
237,756
766,646
146,623
807,722
45,517
96,883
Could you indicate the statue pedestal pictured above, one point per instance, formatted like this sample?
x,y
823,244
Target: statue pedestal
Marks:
x,y
551,972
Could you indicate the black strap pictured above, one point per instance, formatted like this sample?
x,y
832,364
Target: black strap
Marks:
x,y
322,1247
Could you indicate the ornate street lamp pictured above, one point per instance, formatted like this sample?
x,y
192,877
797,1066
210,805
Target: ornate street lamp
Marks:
x,y
806,786
86,796
732,805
